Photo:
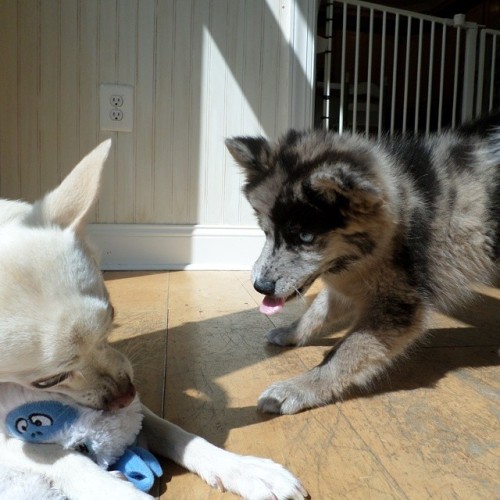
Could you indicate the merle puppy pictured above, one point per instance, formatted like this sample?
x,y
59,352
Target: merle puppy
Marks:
x,y
395,228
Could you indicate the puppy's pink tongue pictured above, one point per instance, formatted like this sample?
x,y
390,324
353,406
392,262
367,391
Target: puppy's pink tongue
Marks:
x,y
271,305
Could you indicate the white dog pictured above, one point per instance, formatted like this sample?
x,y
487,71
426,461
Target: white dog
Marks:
x,y
54,318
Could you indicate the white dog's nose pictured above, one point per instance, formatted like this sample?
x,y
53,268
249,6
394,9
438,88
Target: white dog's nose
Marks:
x,y
122,400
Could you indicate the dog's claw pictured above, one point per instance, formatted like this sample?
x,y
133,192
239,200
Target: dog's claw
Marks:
x,y
289,397
269,405
220,484
283,336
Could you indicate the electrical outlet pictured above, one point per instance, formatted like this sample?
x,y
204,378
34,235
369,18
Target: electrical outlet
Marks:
x,y
116,114
116,101
116,107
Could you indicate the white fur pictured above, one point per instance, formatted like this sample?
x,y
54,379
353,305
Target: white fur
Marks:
x,y
54,318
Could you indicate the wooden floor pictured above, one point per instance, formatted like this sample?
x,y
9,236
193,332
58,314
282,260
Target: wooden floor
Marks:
x,y
429,430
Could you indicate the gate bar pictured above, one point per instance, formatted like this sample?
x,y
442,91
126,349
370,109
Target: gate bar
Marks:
x,y
441,79
407,72
492,80
394,72
429,83
382,64
369,78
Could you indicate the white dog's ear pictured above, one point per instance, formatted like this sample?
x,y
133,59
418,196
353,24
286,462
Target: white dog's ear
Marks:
x,y
69,204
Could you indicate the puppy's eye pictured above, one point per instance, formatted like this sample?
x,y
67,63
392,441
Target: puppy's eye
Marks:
x,y
306,237
51,381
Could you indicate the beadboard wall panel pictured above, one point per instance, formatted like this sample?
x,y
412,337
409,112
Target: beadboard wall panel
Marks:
x,y
201,71
10,182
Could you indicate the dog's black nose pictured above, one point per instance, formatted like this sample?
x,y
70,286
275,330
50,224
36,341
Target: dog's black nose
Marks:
x,y
265,287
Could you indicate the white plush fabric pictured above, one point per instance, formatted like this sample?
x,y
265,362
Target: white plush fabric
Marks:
x,y
22,485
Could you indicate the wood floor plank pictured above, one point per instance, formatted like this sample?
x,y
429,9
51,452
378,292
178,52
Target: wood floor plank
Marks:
x,y
140,301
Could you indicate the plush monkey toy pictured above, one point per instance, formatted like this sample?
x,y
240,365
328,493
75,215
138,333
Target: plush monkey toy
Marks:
x,y
106,437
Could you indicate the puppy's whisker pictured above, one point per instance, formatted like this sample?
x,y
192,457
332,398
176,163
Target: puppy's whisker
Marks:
x,y
300,295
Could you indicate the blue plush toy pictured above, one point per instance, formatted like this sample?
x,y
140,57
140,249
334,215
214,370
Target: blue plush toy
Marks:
x,y
108,438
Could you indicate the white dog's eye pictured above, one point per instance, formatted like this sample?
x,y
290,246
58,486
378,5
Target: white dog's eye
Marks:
x,y
306,237
51,381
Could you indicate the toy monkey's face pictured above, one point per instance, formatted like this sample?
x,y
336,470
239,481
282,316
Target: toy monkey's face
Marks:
x,y
40,421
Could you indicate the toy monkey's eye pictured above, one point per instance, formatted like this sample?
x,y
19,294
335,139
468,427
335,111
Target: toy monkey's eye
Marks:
x,y
40,420
21,425
306,237
51,381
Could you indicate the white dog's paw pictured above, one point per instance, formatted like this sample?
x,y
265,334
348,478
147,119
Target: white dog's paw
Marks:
x,y
255,479
283,336
289,396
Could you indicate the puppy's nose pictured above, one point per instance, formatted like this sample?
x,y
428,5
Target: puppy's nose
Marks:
x,y
265,287
124,399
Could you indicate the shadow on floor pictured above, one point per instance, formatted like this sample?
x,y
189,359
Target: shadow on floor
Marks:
x,y
202,353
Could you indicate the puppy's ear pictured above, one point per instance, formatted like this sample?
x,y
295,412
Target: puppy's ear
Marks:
x,y
69,204
334,181
251,153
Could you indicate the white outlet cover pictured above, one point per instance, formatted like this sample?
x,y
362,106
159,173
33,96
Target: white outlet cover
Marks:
x,y
106,90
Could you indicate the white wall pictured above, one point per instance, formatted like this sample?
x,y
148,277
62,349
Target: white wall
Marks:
x,y
201,71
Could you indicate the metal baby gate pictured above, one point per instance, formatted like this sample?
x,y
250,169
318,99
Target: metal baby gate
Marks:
x,y
386,70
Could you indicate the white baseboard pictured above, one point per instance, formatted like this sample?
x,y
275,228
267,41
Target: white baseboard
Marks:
x,y
155,247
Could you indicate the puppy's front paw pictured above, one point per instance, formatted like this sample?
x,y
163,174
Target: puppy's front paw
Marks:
x,y
258,479
290,396
283,336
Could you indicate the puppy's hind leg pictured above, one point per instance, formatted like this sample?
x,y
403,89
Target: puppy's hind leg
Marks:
x,y
327,308
367,350
250,477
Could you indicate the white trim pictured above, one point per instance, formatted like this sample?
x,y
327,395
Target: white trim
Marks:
x,y
193,247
